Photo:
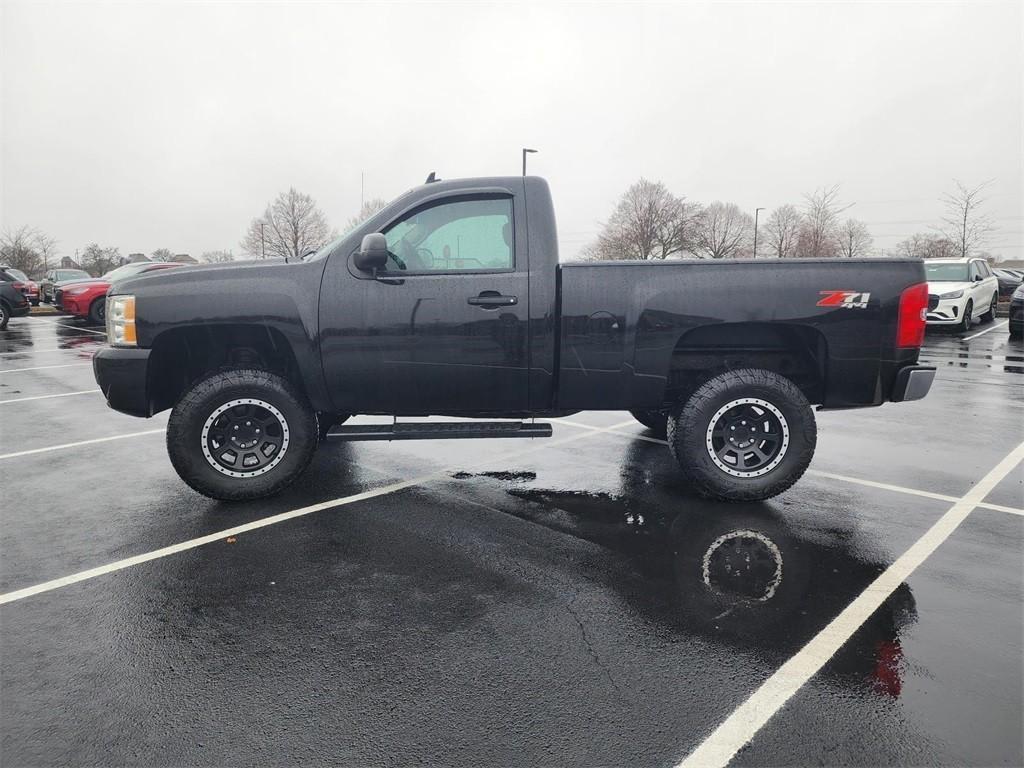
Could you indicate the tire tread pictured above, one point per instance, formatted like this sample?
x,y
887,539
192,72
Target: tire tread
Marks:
x,y
701,473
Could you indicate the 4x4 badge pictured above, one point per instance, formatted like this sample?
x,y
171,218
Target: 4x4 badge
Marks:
x,y
844,299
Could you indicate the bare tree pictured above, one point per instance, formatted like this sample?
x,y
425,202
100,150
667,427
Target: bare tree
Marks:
x,y
162,254
47,247
217,257
854,239
19,249
964,223
98,261
649,222
369,208
781,231
290,227
927,246
723,230
820,224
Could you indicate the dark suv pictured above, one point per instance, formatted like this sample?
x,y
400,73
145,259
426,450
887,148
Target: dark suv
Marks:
x,y
13,303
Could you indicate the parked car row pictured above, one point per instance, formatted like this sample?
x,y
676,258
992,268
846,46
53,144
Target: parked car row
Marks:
x,y
87,298
72,291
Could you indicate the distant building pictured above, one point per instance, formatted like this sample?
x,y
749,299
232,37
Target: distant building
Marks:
x,y
67,262
135,258
184,258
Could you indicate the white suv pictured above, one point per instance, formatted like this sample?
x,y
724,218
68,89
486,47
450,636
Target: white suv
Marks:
x,y
960,291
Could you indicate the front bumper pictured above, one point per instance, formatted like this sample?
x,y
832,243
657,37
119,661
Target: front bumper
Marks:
x,y
912,383
123,376
71,304
944,311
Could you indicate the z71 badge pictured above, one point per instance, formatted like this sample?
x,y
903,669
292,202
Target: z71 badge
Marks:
x,y
844,299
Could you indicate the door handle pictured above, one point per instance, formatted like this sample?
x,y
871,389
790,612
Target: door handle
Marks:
x,y
492,300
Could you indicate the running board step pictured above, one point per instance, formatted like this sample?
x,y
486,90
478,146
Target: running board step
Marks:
x,y
446,430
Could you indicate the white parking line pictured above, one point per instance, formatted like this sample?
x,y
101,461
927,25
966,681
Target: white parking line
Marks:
x,y
744,723
63,446
43,367
264,522
33,351
183,546
998,325
47,397
65,325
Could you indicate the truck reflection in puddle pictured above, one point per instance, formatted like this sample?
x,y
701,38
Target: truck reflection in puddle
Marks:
x,y
753,575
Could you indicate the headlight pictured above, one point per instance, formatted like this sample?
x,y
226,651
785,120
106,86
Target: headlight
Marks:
x,y
951,295
121,320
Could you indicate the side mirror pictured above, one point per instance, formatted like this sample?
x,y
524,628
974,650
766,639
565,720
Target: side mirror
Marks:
x,y
372,253
977,278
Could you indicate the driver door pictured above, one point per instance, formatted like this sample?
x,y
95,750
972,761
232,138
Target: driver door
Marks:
x,y
444,326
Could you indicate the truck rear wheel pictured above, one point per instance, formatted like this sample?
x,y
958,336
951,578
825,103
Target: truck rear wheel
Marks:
x,y
656,421
241,434
746,435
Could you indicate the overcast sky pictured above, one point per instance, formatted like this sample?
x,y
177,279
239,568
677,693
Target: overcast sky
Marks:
x,y
172,125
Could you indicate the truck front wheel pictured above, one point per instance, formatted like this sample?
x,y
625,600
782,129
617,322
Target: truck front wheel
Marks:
x,y
241,434
746,435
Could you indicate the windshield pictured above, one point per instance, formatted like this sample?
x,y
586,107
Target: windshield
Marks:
x,y
17,274
72,274
949,273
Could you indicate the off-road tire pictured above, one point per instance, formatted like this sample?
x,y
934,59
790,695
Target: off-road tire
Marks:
x,y
989,316
689,427
656,421
185,442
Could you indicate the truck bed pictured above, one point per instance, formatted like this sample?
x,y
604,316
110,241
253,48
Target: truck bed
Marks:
x,y
624,323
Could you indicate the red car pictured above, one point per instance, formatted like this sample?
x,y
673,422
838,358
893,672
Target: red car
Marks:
x,y
88,298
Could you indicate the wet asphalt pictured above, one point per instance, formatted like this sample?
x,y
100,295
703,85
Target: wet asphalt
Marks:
x,y
560,602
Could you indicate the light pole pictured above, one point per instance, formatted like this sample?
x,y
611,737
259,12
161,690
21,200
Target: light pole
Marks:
x,y
263,247
756,212
525,153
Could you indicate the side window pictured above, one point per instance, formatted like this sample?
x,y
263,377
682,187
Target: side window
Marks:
x,y
973,274
985,271
462,235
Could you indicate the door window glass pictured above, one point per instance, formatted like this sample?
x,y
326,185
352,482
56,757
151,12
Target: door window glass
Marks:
x,y
463,235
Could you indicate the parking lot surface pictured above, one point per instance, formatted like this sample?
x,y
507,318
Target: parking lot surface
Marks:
x,y
558,602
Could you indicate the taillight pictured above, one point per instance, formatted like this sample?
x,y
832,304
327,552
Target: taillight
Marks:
x,y
913,310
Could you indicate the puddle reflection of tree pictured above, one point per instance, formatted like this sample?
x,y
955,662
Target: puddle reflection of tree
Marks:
x,y
739,573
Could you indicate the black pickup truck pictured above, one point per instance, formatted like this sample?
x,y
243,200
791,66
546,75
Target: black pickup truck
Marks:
x,y
451,301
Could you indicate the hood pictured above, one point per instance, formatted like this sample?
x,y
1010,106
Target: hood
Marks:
x,y
63,283
939,287
198,277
